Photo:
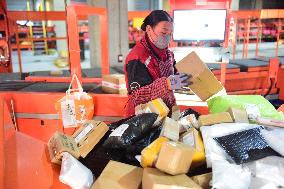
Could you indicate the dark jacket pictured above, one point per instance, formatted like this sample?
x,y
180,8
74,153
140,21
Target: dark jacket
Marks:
x,y
146,70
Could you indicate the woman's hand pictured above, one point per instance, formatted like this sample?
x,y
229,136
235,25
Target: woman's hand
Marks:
x,y
178,81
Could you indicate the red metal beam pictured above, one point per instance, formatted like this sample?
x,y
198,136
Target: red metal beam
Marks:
x,y
36,15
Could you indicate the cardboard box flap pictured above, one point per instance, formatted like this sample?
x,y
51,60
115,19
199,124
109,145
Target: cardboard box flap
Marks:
x,y
122,175
153,178
191,64
114,78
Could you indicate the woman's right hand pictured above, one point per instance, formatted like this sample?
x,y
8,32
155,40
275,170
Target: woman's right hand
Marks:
x,y
178,81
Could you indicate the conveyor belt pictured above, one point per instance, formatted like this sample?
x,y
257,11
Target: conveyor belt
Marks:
x,y
15,81
245,64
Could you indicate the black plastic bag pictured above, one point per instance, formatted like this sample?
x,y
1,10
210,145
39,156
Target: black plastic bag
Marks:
x,y
246,146
188,112
130,131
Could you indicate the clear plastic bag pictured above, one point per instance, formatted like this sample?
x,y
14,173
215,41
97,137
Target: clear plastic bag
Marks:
x,y
74,173
268,170
230,176
274,139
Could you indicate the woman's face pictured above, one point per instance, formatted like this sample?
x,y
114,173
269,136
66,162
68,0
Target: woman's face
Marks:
x,y
160,35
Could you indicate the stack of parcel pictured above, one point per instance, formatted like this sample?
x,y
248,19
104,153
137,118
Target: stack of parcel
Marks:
x,y
237,145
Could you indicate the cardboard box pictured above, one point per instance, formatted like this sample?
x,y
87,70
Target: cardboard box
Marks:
x,y
203,180
140,109
238,115
170,129
189,121
88,135
80,144
211,119
157,106
60,143
270,122
175,113
149,154
193,138
114,84
155,179
175,158
118,175
205,84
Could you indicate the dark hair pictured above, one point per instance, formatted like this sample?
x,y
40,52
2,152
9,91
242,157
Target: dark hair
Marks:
x,y
155,17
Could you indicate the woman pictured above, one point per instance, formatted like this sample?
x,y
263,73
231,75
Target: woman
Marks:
x,y
149,67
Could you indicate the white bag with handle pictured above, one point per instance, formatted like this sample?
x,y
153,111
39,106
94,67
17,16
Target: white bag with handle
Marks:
x,y
76,106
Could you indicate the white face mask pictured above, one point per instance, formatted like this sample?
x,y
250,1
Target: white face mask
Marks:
x,y
162,41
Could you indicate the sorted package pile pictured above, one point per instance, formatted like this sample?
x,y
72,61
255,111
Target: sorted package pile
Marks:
x,y
240,139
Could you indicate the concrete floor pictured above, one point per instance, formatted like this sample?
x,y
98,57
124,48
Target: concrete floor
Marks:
x,y
31,63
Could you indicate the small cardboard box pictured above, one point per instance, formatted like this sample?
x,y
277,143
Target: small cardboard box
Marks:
x,y
155,179
189,121
205,84
88,135
118,175
149,154
175,158
175,113
157,106
238,115
211,119
193,138
203,180
140,109
114,84
170,129
60,143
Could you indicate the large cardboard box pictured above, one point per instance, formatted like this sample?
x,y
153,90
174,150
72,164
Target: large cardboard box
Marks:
x,y
211,119
170,129
60,143
175,158
193,138
205,84
238,115
118,175
88,135
203,180
114,84
155,179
